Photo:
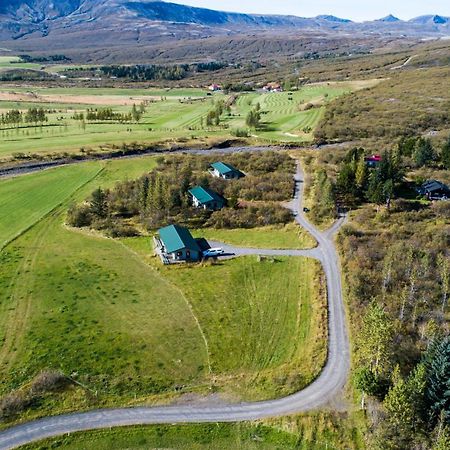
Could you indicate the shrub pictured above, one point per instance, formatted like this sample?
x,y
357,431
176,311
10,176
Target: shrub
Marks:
x,y
441,209
79,216
12,404
49,381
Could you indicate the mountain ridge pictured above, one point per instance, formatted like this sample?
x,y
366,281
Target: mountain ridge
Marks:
x,y
60,24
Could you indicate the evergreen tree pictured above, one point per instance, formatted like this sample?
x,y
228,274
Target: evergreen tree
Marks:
x,y
445,154
437,392
424,154
404,405
98,203
375,191
143,194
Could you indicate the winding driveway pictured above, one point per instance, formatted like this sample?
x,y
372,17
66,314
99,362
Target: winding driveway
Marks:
x,y
330,382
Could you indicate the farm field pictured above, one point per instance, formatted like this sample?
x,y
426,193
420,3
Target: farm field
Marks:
x,y
138,331
286,237
170,116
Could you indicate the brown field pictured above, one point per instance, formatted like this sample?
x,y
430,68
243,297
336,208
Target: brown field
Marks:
x,y
101,100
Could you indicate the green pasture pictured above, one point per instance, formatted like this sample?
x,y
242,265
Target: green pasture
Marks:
x,y
314,431
13,62
177,115
280,237
186,437
240,305
109,314
25,200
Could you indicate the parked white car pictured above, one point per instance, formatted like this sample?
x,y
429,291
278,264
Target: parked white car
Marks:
x,y
213,252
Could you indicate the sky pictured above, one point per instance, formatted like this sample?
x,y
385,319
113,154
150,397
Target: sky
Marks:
x,y
357,10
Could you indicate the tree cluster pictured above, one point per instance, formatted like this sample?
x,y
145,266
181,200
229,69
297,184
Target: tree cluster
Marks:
x,y
422,153
161,196
16,117
356,182
150,72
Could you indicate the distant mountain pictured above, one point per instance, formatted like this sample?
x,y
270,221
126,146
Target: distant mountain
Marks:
x,y
427,20
389,19
59,25
333,19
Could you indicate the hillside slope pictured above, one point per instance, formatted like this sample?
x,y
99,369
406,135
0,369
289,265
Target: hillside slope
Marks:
x,y
55,25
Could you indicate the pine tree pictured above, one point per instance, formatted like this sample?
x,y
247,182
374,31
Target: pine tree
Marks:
x,y
98,203
143,194
424,153
444,274
445,154
437,392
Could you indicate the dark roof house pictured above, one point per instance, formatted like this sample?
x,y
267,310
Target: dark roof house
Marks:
x,y
177,244
226,171
434,190
206,198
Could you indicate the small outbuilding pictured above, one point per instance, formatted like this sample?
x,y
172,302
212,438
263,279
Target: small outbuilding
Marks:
x,y
176,244
225,171
373,160
206,198
215,87
435,190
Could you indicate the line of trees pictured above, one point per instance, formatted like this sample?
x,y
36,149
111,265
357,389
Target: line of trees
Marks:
x,y
16,117
108,114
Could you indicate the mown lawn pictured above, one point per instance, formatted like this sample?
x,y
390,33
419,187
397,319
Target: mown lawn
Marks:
x,y
290,236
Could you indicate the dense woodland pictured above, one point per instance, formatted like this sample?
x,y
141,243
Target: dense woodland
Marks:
x,y
161,197
150,72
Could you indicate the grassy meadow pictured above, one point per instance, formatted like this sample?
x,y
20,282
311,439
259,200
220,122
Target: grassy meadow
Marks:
x,y
14,62
290,236
315,431
129,330
171,115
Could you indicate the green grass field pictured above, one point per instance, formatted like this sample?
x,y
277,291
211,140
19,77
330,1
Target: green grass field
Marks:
x,y
315,431
175,116
279,237
25,200
108,313
13,62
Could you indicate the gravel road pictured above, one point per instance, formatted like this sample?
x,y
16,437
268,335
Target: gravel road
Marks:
x,y
318,394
